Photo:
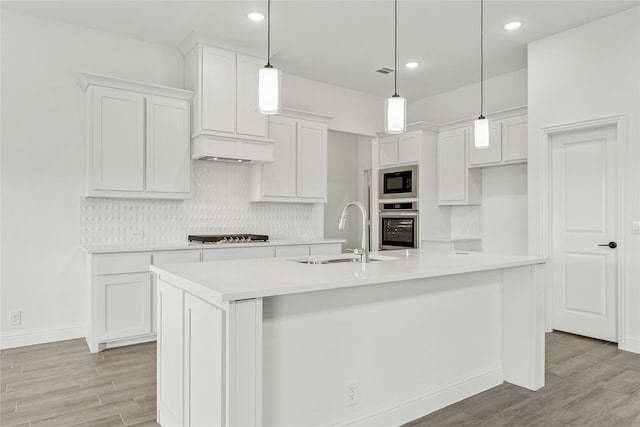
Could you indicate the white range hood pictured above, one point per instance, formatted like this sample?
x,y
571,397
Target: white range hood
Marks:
x,y
231,149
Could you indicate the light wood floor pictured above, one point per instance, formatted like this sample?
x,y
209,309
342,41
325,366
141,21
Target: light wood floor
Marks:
x,y
589,383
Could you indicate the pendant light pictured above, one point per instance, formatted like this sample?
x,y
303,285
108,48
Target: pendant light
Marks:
x,y
269,78
396,106
481,125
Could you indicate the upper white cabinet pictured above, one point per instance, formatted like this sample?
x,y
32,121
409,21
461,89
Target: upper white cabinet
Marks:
x,y
507,143
137,139
457,185
226,122
400,149
299,171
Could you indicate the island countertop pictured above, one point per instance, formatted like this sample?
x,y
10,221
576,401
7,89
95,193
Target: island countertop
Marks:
x,y
224,281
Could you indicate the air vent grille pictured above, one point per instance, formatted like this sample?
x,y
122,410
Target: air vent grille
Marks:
x,y
385,70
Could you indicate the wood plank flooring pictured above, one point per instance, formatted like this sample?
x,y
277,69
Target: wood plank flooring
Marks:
x,y
589,383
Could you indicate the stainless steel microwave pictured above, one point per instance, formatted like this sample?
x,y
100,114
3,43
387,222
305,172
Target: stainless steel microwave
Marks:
x,y
399,183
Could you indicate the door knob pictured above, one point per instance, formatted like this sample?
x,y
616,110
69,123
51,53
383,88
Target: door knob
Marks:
x,y
612,245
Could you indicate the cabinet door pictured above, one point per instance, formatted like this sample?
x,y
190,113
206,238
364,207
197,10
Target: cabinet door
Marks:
x,y
124,305
292,251
388,149
514,139
249,120
204,381
218,90
452,166
326,249
168,166
491,154
237,253
279,176
170,354
311,153
117,144
409,147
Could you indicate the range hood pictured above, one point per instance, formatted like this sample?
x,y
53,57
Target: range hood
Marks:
x,y
231,149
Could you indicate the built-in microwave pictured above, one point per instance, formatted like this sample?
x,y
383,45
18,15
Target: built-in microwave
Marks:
x,y
398,183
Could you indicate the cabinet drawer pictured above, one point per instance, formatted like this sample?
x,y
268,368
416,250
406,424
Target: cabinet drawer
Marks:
x,y
121,263
326,249
291,251
237,253
176,257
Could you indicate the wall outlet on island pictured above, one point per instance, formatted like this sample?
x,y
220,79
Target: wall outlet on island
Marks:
x,y
16,318
137,234
353,393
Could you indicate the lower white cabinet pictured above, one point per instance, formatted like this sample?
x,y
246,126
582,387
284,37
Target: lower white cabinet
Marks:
x,y
190,347
237,253
125,305
292,251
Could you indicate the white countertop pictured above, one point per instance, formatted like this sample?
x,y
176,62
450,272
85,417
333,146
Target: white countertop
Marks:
x,y
265,277
179,246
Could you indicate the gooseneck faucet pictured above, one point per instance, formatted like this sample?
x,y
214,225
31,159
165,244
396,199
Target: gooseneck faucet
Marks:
x,y
363,251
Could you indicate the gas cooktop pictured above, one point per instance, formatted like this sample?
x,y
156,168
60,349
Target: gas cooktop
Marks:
x,y
228,238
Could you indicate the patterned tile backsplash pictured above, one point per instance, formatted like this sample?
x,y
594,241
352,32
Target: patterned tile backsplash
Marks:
x,y
220,205
466,221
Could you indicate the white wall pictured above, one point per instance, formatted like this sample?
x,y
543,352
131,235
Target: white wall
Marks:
x,y
590,72
43,155
500,93
504,209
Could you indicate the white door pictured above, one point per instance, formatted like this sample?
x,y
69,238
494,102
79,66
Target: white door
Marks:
x,y
279,176
388,151
584,222
118,140
168,148
249,121
218,90
311,156
409,147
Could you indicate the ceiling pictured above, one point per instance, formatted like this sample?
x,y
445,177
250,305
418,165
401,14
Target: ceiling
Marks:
x,y
344,42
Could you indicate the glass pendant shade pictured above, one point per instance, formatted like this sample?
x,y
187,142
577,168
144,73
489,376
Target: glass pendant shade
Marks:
x,y
481,132
269,90
395,115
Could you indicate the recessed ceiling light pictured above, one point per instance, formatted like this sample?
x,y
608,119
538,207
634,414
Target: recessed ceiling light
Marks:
x,y
256,16
512,26
412,65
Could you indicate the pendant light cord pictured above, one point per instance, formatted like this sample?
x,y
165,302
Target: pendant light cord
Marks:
x,y
395,50
268,35
481,58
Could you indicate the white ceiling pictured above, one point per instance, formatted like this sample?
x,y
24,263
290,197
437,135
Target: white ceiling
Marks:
x,y
344,42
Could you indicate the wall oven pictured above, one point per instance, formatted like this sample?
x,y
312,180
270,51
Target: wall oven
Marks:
x,y
398,183
398,229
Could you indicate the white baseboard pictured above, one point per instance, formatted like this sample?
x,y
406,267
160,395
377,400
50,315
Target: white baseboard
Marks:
x,y
409,410
39,336
632,344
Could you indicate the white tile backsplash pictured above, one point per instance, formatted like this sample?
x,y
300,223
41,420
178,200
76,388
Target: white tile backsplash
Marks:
x,y
466,221
220,205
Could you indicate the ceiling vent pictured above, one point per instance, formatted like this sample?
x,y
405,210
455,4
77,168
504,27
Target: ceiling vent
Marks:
x,y
385,70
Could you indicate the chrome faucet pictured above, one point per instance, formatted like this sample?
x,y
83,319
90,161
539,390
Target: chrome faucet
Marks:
x,y
363,251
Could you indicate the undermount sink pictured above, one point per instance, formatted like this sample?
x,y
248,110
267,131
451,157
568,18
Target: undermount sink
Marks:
x,y
332,261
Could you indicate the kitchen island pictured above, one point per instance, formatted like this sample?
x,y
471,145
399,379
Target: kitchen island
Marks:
x,y
300,341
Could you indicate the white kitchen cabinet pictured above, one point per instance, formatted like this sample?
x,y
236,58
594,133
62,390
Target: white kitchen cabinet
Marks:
x,y
237,253
292,251
507,143
226,87
311,155
326,249
400,149
515,139
138,143
125,305
117,140
168,162
457,185
171,358
298,173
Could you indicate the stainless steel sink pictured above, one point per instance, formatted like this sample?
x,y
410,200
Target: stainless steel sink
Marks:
x,y
331,261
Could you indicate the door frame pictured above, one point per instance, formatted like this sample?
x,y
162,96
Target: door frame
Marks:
x,y
545,242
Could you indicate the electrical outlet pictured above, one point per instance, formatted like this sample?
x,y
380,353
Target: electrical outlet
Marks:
x,y
16,318
353,393
136,234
